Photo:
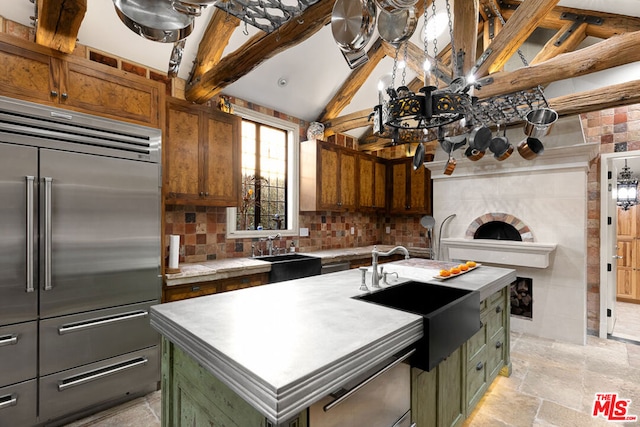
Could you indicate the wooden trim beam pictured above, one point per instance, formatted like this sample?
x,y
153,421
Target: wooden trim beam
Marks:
x,y
597,99
256,50
214,40
618,50
59,22
514,33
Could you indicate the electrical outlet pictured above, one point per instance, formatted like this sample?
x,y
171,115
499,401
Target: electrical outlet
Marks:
x,y
388,229
353,231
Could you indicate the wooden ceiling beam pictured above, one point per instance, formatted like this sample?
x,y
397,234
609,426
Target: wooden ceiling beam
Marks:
x,y
551,49
609,53
465,32
59,22
516,30
612,24
256,50
597,99
214,40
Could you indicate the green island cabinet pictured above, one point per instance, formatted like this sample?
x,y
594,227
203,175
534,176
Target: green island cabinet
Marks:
x,y
444,396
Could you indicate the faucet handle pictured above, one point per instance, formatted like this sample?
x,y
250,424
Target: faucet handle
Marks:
x,y
363,283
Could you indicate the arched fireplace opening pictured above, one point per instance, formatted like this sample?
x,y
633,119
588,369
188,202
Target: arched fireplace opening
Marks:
x,y
497,230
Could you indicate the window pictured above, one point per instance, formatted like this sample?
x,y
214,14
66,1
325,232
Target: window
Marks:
x,y
269,201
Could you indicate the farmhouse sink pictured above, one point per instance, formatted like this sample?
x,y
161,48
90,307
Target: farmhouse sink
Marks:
x,y
291,266
450,316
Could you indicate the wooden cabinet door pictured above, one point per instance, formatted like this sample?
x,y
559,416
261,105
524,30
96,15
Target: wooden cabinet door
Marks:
x,y
182,153
366,178
628,270
410,190
399,179
380,185
26,74
221,159
329,180
100,89
348,181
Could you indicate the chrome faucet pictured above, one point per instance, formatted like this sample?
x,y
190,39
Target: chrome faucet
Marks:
x,y
375,276
270,240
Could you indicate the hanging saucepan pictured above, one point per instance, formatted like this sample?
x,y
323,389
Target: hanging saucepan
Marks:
x,y
452,143
480,137
530,148
154,20
191,7
395,5
352,23
397,27
418,157
473,153
539,122
500,146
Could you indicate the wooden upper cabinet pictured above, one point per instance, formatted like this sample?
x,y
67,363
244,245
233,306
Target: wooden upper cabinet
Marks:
x,y
628,249
38,74
373,180
410,190
328,179
202,156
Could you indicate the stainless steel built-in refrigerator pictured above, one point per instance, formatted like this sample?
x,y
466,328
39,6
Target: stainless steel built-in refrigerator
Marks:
x,y
79,262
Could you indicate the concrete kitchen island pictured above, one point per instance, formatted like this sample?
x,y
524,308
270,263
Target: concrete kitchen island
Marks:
x,y
265,354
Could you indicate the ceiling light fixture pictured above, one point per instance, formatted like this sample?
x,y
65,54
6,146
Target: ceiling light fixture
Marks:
x,y
627,189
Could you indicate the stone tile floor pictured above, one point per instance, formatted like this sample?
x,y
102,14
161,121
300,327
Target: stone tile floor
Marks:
x,y
552,384
627,321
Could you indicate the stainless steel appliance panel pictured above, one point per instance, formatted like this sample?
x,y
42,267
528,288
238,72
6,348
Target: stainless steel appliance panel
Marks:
x,y
380,403
79,339
18,352
98,383
100,232
18,280
18,404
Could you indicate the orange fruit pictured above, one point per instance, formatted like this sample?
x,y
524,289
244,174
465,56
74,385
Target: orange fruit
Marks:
x,y
471,264
463,267
445,273
454,270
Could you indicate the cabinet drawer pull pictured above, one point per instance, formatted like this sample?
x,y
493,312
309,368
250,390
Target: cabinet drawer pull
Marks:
x,y
479,366
8,340
100,321
498,344
8,401
344,396
87,377
64,95
498,309
54,93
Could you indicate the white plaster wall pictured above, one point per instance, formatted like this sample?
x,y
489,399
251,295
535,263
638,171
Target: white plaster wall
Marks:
x,y
554,205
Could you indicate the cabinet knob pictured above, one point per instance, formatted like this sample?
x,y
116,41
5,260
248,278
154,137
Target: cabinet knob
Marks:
x,y
498,309
206,193
64,95
201,193
479,366
54,93
498,344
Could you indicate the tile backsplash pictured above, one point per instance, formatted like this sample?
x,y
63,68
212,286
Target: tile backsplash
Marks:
x,y
202,232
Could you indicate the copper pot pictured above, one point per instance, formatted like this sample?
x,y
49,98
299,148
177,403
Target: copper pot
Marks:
x,y
473,154
539,122
530,148
450,166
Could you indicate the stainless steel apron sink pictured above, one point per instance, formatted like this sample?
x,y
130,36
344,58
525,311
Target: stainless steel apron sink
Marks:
x,y
291,266
451,316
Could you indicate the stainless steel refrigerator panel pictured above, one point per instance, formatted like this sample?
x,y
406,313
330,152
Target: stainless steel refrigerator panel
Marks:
x,y
100,232
79,339
18,352
110,380
18,266
18,404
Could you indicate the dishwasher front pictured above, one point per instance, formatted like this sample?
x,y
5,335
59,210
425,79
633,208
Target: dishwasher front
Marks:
x,y
379,398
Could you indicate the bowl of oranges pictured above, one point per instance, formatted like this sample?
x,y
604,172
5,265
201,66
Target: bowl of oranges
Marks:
x,y
457,270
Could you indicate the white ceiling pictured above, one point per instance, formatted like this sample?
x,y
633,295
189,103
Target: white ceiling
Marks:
x,y
314,70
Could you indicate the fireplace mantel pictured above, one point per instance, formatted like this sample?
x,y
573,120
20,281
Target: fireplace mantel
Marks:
x,y
504,252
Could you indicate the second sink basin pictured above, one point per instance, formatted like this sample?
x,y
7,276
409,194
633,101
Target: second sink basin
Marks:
x,y
291,266
450,316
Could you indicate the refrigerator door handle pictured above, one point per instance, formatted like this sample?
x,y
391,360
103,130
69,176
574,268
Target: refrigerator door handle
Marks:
x,y
47,232
30,184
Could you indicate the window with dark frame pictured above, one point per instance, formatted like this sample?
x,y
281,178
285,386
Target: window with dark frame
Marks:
x,y
264,178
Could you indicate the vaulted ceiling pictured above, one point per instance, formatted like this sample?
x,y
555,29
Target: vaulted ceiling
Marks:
x,y
299,70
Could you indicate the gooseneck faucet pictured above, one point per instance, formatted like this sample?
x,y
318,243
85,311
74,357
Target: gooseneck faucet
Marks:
x,y
375,277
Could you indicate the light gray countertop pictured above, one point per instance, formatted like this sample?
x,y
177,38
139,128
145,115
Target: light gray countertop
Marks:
x,y
284,346
235,267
